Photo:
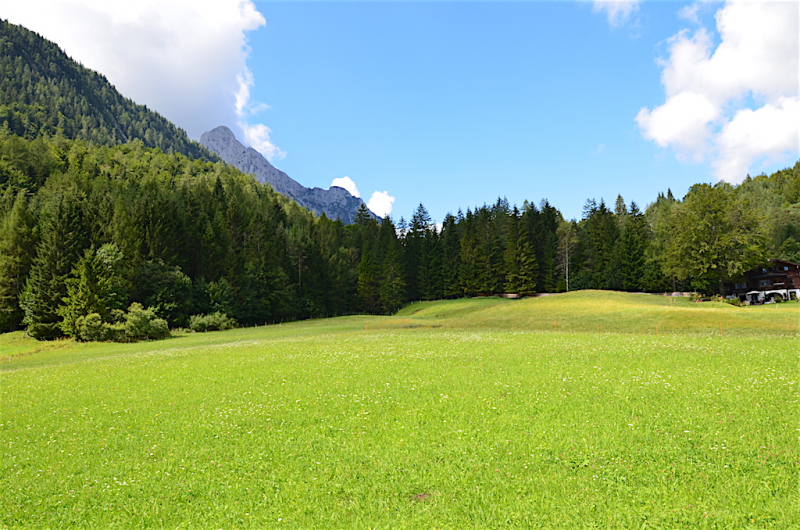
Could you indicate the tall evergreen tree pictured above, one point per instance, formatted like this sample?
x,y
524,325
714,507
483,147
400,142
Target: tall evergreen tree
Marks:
x,y
61,241
451,256
392,285
95,286
16,250
631,247
369,282
520,260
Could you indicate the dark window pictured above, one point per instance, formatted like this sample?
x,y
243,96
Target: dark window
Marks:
x,y
763,283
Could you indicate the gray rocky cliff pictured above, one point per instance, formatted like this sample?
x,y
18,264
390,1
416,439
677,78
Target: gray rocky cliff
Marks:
x,y
336,203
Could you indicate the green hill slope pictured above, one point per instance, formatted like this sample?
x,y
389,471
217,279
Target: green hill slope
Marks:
x,y
580,311
607,311
42,90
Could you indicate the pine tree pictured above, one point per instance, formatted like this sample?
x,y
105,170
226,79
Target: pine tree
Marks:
x,y
61,241
368,283
451,257
632,245
416,266
392,285
520,260
473,257
94,286
16,249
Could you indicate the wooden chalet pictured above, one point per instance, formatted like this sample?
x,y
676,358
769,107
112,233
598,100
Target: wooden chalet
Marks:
x,y
765,282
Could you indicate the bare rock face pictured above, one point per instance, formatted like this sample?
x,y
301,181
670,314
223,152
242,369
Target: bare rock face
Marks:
x,y
336,202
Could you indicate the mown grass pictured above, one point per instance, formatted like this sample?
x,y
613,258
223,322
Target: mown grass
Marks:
x,y
393,422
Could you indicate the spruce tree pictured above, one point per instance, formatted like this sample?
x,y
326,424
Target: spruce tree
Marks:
x,y
368,286
60,242
16,250
520,260
95,286
392,285
632,245
451,257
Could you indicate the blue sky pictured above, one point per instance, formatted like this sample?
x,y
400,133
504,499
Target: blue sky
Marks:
x,y
453,104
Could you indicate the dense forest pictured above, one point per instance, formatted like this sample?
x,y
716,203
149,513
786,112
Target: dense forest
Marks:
x,y
114,225
42,90
88,232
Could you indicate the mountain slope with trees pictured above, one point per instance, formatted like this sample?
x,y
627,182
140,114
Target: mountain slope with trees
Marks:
x,y
43,91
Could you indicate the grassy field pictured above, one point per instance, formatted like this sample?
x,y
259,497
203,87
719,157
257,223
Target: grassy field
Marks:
x,y
453,414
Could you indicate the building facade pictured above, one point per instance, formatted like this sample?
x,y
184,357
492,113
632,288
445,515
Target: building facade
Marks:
x,y
775,278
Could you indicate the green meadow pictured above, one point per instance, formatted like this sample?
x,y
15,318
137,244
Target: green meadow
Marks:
x,y
582,410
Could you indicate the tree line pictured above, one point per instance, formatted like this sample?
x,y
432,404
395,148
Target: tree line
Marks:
x,y
103,241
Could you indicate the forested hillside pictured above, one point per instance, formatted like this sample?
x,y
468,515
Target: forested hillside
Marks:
x,y
87,230
43,91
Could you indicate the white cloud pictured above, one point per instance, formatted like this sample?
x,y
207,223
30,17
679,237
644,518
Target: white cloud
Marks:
x,y
768,132
185,59
257,136
690,12
709,91
381,203
348,184
682,122
617,11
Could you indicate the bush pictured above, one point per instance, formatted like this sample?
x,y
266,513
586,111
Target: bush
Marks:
x,y
91,327
141,323
212,322
159,329
733,301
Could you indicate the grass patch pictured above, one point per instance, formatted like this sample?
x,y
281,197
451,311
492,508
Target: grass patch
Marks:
x,y
604,311
372,422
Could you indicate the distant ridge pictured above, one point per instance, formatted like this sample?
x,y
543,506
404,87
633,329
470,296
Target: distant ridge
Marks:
x,y
42,90
336,202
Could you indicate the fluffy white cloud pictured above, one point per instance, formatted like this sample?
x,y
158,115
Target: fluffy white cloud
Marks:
x,y
706,112
682,122
185,59
348,184
617,11
769,131
381,203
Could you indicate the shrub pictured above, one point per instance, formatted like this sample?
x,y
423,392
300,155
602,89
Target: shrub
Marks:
x,y
159,329
211,322
91,327
141,323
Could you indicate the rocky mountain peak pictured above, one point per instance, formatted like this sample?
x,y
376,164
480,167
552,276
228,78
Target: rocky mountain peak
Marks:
x,y
336,202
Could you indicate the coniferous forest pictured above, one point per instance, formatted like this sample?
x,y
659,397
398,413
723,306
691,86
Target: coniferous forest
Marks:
x,y
115,226
89,230
43,91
